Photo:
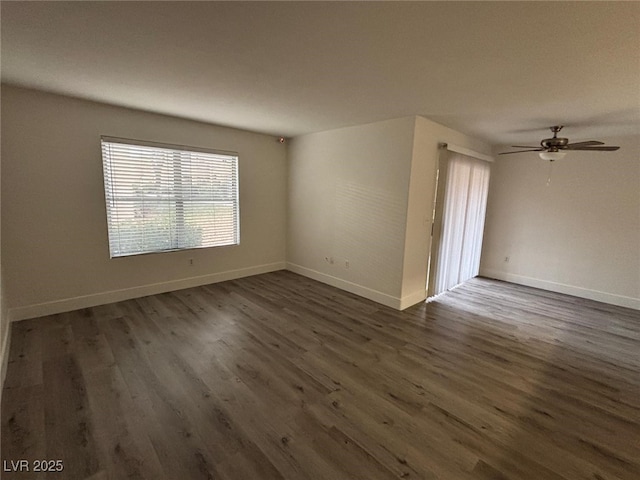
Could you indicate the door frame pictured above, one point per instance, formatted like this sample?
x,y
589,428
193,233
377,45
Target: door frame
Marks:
x,y
436,220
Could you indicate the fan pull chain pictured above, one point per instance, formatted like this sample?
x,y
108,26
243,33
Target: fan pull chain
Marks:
x,y
550,171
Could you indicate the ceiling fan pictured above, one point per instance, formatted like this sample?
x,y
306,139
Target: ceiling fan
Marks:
x,y
555,148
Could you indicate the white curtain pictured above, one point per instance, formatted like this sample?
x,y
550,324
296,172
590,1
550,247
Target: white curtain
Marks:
x,y
462,221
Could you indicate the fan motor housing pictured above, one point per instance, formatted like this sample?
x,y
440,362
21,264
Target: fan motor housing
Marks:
x,y
554,142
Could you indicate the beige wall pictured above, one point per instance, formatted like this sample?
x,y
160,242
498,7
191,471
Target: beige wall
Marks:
x,y
364,195
54,244
348,202
579,235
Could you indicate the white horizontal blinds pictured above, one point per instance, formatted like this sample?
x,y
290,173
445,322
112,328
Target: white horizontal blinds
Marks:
x,y
168,198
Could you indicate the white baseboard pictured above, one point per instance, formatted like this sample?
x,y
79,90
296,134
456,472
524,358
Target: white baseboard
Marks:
x,y
597,295
375,295
86,301
410,300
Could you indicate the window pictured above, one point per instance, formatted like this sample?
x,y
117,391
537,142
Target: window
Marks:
x,y
162,197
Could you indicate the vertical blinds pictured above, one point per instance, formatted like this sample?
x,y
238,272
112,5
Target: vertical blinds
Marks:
x,y
463,221
162,198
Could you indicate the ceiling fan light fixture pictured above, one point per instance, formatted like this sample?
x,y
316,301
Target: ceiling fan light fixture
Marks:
x,y
554,148
552,156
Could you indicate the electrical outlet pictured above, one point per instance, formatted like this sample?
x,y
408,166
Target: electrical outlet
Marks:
x,y
346,264
191,262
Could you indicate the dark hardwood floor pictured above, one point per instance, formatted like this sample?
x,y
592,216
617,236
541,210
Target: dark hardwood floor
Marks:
x,y
280,377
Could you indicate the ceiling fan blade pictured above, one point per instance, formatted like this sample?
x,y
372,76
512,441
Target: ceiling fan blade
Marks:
x,y
590,143
525,146
597,149
520,151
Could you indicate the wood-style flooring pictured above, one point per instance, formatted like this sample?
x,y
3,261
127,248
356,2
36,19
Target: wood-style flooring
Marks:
x,y
280,377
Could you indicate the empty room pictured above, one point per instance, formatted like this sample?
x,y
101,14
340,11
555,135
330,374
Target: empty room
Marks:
x,y
320,240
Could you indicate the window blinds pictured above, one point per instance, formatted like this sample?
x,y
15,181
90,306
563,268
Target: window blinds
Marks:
x,y
161,197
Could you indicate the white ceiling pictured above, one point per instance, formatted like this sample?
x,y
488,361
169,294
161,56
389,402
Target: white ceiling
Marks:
x,y
501,71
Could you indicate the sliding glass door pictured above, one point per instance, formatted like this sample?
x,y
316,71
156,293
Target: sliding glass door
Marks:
x,y
461,203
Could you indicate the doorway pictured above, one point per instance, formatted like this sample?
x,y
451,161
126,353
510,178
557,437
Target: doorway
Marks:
x,y
458,220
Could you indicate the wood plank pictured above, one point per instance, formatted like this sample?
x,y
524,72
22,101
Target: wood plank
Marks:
x,y
280,377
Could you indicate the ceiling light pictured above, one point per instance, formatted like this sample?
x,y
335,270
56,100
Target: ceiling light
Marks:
x,y
552,155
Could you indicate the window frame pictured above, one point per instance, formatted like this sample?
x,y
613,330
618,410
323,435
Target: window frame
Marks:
x,y
177,194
